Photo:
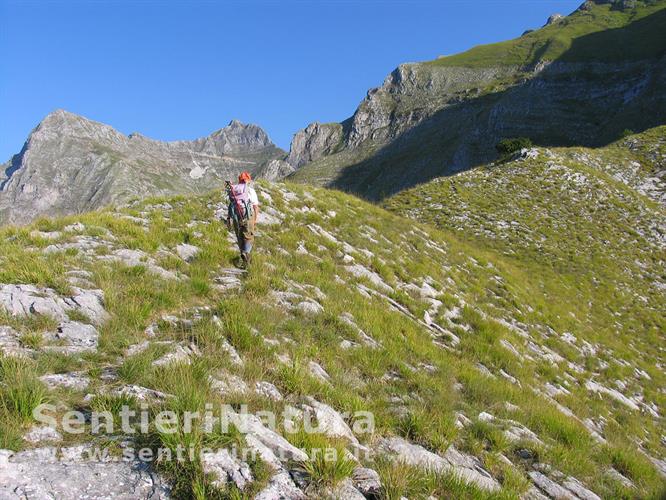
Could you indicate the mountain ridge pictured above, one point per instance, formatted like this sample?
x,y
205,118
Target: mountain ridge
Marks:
x,y
70,163
439,117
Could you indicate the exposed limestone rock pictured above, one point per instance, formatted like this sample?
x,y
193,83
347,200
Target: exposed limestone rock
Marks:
x,y
268,390
364,337
276,170
551,488
87,245
620,478
270,217
53,235
73,337
344,489
296,302
77,227
513,431
187,252
133,258
280,487
309,307
251,425
38,474
466,467
359,271
80,278
42,434
24,300
618,396
329,421
313,142
10,344
553,19
180,354
367,481
141,393
70,164
318,372
576,487
225,467
135,349
72,380
227,383
533,493
229,280
231,351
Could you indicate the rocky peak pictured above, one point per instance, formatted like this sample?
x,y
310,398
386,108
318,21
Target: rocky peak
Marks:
x,y
313,142
61,122
70,164
553,18
234,136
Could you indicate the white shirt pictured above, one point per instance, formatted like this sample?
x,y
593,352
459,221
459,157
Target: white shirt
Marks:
x,y
254,200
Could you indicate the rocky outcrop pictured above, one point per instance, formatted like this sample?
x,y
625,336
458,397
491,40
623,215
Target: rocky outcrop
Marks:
x,y
24,300
553,19
468,468
70,164
313,142
276,170
39,473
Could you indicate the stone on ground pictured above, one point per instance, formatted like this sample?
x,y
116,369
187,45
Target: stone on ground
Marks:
x,y
39,474
42,434
73,337
225,467
468,468
280,487
72,380
187,252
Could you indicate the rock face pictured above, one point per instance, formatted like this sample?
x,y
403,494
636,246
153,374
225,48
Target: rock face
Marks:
x,y
276,170
432,119
70,164
313,142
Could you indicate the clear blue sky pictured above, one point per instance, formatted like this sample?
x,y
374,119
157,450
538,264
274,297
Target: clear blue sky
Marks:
x,y
180,70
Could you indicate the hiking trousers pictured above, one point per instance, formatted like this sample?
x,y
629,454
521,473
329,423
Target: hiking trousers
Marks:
x,y
244,235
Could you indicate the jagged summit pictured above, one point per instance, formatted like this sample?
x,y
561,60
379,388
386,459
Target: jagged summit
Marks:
x,y
70,163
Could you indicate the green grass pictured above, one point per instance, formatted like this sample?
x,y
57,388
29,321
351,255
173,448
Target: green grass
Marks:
x,y
20,392
601,34
420,405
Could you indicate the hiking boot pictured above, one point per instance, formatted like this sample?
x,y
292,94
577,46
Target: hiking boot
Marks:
x,y
245,258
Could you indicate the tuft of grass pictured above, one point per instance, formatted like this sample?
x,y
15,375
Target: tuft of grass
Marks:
x,y
328,462
20,391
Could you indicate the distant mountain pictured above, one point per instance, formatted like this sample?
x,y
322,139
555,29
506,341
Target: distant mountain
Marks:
x,y
70,164
582,79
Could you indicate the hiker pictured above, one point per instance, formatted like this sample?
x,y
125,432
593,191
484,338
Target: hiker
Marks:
x,y
242,213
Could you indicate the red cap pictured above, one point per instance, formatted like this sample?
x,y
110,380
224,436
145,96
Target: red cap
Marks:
x,y
244,177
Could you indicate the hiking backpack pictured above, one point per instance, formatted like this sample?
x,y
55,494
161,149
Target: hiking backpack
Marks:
x,y
240,207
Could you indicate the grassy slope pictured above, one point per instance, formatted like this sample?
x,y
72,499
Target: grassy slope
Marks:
x,y
566,216
604,31
488,289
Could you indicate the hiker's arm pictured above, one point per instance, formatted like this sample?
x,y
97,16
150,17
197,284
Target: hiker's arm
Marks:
x,y
255,213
